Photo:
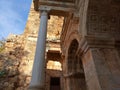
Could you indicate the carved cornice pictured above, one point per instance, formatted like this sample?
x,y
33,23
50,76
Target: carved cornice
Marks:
x,y
95,42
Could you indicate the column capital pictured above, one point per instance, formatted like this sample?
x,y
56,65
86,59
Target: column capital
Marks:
x,y
44,9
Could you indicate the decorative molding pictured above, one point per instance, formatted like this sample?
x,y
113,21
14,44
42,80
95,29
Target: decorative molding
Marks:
x,y
95,42
104,20
36,88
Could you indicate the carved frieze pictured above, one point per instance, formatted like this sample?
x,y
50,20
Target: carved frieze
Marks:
x,y
104,18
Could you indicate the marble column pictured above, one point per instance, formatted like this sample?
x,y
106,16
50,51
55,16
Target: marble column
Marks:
x,y
38,72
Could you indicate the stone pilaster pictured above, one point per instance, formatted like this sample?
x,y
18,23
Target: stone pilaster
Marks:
x,y
101,63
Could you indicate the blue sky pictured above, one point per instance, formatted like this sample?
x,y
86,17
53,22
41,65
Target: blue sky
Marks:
x,y
13,16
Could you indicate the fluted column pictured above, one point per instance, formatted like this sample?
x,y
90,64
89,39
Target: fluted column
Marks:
x,y
38,72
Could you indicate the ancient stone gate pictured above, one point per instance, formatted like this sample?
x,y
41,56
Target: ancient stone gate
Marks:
x,y
89,41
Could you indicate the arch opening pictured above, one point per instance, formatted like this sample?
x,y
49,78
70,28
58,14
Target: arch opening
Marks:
x,y
75,70
71,55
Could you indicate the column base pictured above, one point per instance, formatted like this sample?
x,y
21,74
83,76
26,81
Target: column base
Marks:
x,y
36,88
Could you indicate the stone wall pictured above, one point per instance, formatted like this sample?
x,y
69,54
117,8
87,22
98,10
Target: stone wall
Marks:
x,y
11,75
103,18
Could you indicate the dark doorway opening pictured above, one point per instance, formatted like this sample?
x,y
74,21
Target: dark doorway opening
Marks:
x,y
55,83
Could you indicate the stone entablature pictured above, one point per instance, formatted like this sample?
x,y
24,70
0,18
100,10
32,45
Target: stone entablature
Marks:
x,y
59,8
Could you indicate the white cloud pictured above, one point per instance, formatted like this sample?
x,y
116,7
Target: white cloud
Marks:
x,y
10,20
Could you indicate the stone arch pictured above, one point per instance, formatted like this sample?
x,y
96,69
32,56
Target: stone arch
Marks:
x,y
75,70
71,55
72,36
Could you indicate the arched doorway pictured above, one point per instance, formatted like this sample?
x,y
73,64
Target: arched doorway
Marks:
x,y
75,71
